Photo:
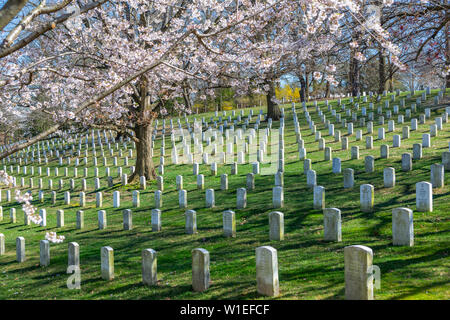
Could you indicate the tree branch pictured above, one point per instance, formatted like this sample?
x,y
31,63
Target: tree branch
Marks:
x,y
46,27
10,11
96,99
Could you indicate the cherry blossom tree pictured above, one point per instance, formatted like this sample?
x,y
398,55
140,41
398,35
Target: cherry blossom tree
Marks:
x,y
131,59
118,65
421,30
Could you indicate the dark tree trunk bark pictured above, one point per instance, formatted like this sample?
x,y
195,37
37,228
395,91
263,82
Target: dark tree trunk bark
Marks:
x,y
187,100
144,162
273,111
381,72
447,53
307,86
390,77
143,132
327,90
354,77
391,83
302,89
350,76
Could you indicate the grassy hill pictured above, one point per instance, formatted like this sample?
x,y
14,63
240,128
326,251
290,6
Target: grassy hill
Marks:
x,y
309,268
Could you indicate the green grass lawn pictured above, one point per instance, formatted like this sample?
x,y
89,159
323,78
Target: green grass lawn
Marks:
x,y
309,268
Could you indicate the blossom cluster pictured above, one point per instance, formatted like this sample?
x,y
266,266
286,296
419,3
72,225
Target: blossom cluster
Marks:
x,y
27,207
53,237
225,42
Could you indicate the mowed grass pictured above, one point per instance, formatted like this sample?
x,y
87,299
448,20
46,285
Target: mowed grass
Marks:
x,y
309,268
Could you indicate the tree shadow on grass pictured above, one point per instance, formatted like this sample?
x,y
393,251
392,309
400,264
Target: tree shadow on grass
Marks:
x,y
420,289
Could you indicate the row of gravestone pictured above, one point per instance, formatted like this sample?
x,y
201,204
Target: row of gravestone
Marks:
x,y
251,111
398,137
437,181
358,265
349,126
384,152
402,222
436,173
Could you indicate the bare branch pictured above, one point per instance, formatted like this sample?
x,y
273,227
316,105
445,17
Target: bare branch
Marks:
x,y
40,9
10,11
46,27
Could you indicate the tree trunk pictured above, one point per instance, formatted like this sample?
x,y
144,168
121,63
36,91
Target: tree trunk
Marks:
x,y
144,163
187,100
354,76
390,77
273,111
143,132
381,72
302,89
307,86
447,81
350,76
327,90
391,84
447,54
